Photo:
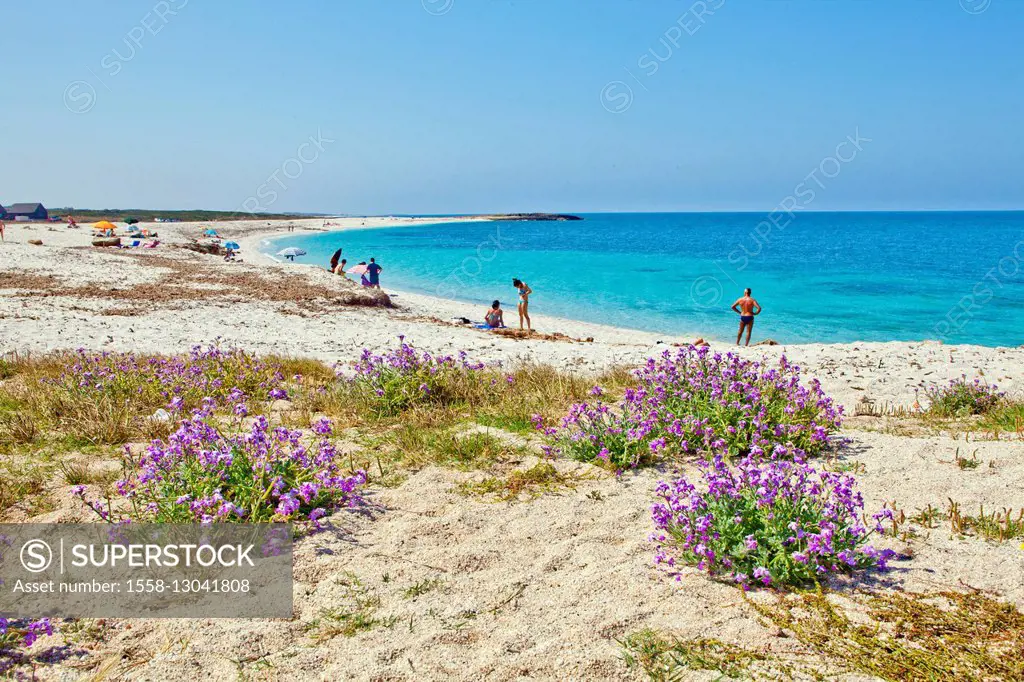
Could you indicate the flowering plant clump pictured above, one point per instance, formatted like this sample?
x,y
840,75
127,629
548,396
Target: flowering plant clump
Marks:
x,y
202,475
15,633
181,382
775,521
694,401
19,632
963,398
390,383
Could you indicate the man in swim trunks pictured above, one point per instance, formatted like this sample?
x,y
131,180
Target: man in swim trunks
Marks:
x,y
373,270
747,307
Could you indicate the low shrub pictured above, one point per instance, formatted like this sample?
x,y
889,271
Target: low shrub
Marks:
x,y
765,522
694,401
393,382
963,398
201,474
113,397
152,382
22,632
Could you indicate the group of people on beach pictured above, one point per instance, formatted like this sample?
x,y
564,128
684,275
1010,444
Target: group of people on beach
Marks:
x,y
369,272
746,306
494,318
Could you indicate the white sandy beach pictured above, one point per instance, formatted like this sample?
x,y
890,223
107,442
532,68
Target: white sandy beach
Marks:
x,y
538,590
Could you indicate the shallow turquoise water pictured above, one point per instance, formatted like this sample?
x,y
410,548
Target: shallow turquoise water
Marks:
x,y
828,277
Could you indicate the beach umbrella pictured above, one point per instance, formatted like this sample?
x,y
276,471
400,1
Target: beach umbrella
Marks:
x,y
210,232
131,221
358,269
291,252
232,245
335,258
104,225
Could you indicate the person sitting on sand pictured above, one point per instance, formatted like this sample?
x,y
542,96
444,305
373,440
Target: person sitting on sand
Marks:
x,y
495,317
339,269
747,307
524,302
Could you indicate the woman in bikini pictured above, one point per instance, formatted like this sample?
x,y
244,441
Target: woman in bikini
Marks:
x,y
524,302
495,317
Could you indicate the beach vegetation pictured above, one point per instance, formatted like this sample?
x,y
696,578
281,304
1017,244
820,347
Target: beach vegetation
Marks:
x,y
774,522
117,397
23,482
694,402
382,387
907,636
893,636
997,525
422,587
664,658
415,448
357,612
1007,416
203,473
963,398
542,478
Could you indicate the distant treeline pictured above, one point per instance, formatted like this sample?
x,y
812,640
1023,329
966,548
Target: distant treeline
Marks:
x,y
148,216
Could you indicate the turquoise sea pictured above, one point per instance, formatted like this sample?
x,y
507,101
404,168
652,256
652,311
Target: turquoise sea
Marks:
x,y
820,277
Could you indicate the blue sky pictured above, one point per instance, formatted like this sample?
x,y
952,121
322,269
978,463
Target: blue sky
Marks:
x,y
446,106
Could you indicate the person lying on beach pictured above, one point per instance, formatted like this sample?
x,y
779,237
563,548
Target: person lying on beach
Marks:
x,y
524,302
747,307
495,317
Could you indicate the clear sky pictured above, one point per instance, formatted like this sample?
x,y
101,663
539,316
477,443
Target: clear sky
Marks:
x,y
445,106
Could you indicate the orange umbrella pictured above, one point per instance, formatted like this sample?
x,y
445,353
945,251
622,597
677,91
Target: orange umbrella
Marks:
x,y
104,225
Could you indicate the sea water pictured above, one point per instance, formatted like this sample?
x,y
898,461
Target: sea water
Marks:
x,y
819,277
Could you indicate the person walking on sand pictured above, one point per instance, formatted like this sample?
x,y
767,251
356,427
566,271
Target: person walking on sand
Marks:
x,y
524,302
373,270
746,307
2,226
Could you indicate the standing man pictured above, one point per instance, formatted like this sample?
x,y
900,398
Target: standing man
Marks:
x,y
374,271
747,307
